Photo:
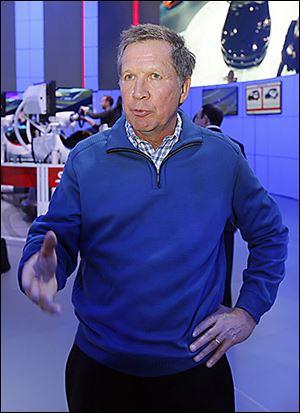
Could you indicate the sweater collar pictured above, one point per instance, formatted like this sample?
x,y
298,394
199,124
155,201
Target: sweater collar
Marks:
x,y
117,137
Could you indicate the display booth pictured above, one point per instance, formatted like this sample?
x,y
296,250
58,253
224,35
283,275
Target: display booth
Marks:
x,y
263,115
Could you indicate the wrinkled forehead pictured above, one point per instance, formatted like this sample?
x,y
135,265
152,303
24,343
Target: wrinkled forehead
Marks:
x,y
147,49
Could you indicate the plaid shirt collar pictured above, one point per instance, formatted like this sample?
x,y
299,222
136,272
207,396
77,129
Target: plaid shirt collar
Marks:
x,y
159,154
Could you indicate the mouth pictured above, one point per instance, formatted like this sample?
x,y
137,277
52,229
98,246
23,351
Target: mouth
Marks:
x,y
141,113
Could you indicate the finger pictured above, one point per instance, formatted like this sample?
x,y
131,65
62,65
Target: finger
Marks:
x,y
207,350
212,345
42,299
33,291
208,336
49,306
54,309
204,325
28,272
49,243
221,350
45,265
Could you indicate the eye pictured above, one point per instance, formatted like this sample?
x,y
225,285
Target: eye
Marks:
x,y
155,76
128,76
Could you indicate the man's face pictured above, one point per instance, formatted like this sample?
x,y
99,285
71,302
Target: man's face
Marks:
x,y
150,89
201,119
104,102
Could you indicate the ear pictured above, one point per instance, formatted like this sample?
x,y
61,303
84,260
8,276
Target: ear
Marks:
x,y
206,120
185,90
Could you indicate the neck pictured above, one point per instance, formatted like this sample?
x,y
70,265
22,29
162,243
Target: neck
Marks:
x,y
156,137
213,126
153,141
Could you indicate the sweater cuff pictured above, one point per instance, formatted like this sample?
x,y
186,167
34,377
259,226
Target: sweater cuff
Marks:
x,y
250,302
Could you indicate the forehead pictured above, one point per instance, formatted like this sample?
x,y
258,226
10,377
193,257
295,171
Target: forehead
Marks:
x,y
147,52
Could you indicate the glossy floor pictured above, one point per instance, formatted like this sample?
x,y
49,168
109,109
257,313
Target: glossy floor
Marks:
x,y
35,346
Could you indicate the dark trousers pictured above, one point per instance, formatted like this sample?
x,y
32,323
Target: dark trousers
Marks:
x,y
92,387
229,246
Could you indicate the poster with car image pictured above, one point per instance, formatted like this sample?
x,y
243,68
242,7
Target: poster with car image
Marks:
x,y
253,39
263,98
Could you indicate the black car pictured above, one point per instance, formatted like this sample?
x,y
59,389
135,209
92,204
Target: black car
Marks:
x,y
246,34
254,95
272,93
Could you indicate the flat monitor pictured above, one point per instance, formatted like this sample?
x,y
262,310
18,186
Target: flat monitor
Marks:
x,y
39,99
70,99
226,98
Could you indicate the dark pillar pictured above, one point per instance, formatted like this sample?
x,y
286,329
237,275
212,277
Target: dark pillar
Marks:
x,y
63,42
8,46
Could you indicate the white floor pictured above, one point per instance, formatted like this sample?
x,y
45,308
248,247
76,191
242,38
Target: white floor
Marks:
x,y
35,346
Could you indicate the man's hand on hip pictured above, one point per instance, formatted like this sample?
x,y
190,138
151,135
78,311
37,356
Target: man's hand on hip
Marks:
x,y
220,331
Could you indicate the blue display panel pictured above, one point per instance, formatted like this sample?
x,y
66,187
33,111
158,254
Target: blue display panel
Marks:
x,y
226,98
70,99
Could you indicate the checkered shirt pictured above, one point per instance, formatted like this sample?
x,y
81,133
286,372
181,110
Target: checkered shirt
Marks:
x,y
159,154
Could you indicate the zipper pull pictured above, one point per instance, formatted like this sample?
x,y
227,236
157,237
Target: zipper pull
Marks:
x,y
158,178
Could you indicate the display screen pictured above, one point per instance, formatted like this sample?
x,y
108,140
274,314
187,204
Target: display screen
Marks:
x,y
226,98
12,101
70,99
255,39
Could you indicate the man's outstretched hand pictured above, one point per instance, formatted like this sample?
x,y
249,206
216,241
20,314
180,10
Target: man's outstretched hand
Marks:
x,y
38,276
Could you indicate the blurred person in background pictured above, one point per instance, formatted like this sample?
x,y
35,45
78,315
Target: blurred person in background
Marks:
x,y
211,117
230,78
108,117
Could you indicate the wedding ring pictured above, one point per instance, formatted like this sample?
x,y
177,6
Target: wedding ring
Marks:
x,y
217,341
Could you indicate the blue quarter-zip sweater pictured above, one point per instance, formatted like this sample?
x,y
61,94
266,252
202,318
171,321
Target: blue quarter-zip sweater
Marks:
x,y
151,244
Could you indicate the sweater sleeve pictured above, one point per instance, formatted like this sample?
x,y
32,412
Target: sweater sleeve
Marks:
x,y
63,217
260,222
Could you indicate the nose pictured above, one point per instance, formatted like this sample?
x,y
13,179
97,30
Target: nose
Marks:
x,y
140,89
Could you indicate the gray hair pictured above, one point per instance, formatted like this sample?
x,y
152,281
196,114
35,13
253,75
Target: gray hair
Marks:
x,y
182,58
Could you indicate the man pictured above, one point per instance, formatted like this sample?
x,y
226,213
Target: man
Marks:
x,y
230,77
108,117
211,117
152,334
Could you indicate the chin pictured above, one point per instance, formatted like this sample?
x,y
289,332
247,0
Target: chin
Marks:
x,y
141,125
